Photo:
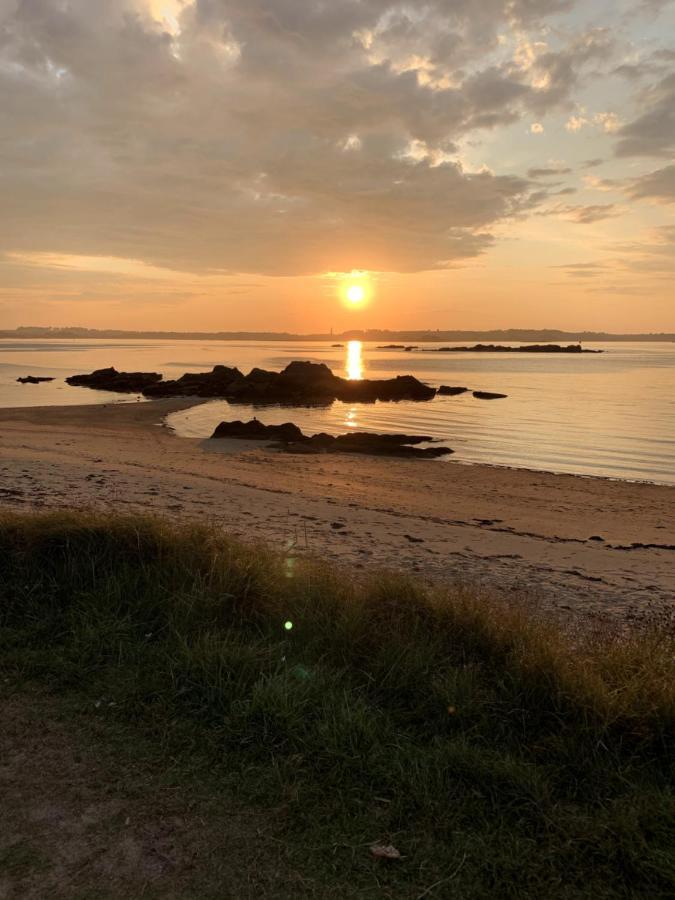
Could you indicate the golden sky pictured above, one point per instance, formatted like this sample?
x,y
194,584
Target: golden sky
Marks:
x,y
240,164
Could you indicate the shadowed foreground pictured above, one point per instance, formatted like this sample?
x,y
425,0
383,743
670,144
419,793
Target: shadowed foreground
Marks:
x,y
497,757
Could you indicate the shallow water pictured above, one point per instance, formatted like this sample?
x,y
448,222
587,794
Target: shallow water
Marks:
x,y
611,414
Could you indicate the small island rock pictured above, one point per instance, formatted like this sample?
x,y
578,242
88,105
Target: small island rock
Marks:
x,y
448,391
488,395
33,379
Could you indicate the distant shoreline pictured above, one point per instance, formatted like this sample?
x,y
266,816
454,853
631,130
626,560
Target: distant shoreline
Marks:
x,y
521,335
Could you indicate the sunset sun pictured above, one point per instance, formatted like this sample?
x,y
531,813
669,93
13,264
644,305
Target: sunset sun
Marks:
x,y
356,294
355,289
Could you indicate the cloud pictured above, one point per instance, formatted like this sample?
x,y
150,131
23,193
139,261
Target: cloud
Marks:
x,y
583,215
658,185
643,268
653,255
261,138
608,122
653,132
547,172
251,136
555,73
583,269
587,215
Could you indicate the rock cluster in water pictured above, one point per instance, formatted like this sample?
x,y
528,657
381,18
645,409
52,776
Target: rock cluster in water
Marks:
x,y
291,439
500,348
298,384
405,347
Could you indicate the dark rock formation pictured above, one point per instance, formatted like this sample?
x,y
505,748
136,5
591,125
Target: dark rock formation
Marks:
x,y
112,380
292,440
199,384
373,444
500,348
487,395
397,347
33,379
403,387
446,390
256,431
299,384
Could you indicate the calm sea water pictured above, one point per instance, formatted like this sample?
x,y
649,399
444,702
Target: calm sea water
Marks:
x,y
611,414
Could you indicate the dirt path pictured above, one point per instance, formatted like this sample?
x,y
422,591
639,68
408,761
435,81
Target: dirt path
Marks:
x,y
86,816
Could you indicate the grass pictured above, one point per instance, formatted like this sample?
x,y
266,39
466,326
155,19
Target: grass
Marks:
x,y
498,757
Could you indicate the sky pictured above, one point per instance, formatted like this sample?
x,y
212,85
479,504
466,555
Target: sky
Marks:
x,y
304,165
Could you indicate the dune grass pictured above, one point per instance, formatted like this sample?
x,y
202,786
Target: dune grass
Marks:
x,y
501,760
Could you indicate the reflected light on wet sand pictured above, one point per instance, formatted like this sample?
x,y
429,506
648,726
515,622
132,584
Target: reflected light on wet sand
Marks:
x,y
354,365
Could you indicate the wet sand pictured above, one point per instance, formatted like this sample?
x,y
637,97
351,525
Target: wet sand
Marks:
x,y
576,546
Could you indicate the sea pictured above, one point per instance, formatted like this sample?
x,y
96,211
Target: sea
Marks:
x,y
610,414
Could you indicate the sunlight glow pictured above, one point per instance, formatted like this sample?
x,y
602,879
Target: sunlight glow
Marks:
x,y
351,418
355,289
354,365
167,12
355,294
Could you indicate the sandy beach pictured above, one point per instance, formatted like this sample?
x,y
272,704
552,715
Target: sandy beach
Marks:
x,y
588,546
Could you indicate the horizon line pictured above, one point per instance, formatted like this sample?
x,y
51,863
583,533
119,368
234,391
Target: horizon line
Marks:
x,y
428,334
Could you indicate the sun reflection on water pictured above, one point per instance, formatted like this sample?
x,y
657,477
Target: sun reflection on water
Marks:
x,y
350,418
354,365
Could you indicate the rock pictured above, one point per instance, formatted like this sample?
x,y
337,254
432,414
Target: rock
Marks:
x,y
500,348
291,439
112,380
33,379
198,384
403,387
305,380
257,431
371,444
487,395
446,390
397,347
